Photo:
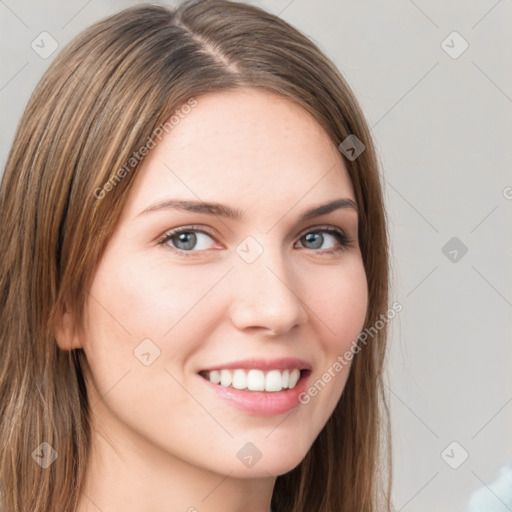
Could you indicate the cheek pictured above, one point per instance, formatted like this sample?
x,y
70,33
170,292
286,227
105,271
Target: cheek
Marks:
x,y
341,311
148,300
136,309
340,307
131,301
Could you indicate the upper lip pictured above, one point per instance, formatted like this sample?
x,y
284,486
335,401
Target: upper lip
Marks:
x,y
283,363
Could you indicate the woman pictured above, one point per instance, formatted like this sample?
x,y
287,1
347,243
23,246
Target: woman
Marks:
x,y
194,237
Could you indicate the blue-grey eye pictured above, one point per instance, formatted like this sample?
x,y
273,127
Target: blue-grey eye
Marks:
x,y
315,239
189,240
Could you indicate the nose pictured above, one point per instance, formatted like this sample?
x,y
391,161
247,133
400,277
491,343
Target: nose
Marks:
x,y
266,295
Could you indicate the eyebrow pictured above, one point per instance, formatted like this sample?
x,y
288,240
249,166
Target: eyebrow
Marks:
x,y
226,211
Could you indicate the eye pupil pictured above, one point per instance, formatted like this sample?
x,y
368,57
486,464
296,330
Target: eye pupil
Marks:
x,y
316,238
188,238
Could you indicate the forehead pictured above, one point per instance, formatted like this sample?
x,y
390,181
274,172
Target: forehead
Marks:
x,y
243,147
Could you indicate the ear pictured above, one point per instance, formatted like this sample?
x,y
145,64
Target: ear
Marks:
x,y
66,333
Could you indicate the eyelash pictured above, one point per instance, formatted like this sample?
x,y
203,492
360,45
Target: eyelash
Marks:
x,y
344,242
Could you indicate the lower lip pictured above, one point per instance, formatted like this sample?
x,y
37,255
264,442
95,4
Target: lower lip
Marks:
x,y
261,403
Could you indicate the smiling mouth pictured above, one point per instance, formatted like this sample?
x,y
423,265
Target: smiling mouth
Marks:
x,y
256,380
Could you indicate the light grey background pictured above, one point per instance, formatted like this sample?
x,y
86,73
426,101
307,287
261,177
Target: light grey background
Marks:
x,y
443,128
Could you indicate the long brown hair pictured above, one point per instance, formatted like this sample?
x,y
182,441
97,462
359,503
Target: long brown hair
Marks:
x,y
97,104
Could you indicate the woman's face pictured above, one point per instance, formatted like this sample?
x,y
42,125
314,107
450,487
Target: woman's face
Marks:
x,y
265,290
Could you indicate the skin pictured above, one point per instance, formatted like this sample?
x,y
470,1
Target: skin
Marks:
x,y
162,440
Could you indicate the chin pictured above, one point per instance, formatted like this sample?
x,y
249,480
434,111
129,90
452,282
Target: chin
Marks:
x,y
274,465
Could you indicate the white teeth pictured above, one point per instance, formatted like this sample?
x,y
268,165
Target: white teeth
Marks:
x,y
286,378
273,381
225,378
294,377
239,379
215,377
255,380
